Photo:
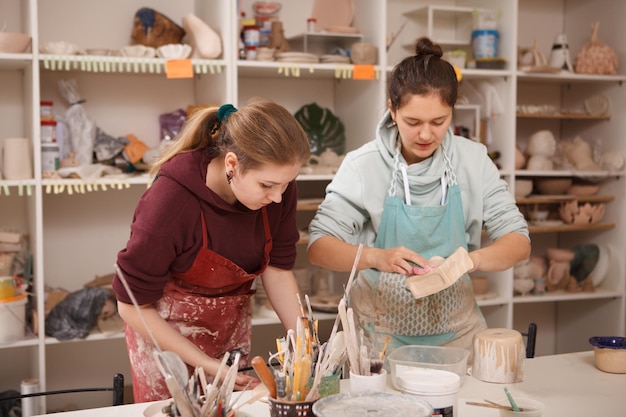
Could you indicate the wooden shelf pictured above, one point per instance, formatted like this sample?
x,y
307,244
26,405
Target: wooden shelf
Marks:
x,y
569,228
557,199
568,116
309,204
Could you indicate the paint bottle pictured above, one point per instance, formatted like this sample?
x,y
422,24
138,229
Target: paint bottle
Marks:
x,y
50,157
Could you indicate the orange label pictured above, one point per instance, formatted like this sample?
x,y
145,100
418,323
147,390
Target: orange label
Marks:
x,y
178,68
363,72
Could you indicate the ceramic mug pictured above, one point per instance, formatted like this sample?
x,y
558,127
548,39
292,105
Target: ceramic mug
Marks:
x,y
17,159
371,383
9,286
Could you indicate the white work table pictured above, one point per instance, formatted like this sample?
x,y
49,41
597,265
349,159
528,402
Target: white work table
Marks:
x,y
568,385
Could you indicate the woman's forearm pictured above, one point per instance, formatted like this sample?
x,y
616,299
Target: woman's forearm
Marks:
x,y
501,254
281,288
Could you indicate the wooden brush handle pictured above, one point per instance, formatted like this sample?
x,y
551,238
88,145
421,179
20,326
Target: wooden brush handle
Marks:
x,y
265,375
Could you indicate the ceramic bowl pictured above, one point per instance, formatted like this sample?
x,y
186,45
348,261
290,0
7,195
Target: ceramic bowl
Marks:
x,y
553,186
539,215
583,189
14,43
59,48
609,353
174,51
523,188
137,51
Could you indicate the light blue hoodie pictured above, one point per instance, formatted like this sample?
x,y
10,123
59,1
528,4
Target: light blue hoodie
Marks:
x,y
353,206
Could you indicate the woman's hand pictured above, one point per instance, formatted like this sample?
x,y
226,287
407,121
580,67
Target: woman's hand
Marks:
x,y
242,381
400,260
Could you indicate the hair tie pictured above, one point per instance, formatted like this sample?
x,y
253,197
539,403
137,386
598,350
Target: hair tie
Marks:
x,y
225,111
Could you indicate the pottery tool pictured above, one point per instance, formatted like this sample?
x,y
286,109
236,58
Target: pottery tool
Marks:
x,y
511,400
265,375
506,407
489,405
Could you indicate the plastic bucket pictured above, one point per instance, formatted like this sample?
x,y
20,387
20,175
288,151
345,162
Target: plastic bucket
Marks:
x,y
12,319
439,388
485,43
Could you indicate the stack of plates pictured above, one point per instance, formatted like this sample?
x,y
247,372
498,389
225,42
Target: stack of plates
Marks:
x,y
301,57
332,59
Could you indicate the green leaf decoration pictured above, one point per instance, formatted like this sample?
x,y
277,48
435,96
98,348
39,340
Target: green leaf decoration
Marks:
x,y
323,128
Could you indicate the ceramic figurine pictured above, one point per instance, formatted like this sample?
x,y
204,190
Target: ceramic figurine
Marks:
x,y
541,149
595,57
151,28
206,43
560,57
277,38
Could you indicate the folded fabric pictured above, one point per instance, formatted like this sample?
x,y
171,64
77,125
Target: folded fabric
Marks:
x,y
441,277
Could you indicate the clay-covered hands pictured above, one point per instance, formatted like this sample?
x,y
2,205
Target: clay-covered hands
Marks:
x,y
399,259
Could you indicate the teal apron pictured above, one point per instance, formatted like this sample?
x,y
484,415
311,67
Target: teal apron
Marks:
x,y
384,305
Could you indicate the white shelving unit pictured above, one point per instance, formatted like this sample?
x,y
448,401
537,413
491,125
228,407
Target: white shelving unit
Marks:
x,y
75,237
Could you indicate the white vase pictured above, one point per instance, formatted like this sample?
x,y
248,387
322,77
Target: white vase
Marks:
x,y
206,43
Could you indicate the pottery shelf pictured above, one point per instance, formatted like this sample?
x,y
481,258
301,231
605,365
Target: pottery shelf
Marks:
x,y
11,62
566,77
448,25
96,335
592,175
309,204
562,295
570,228
272,69
80,186
557,199
564,116
125,65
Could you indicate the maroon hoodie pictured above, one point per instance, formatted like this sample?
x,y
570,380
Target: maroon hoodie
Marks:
x,y
166,231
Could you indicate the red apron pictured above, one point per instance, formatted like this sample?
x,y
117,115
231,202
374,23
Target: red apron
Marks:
x,y
209,304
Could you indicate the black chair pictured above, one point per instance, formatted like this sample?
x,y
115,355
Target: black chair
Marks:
x,y
117,389
531,339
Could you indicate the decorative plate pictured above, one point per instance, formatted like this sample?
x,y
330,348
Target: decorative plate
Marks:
x,y
324,129
330,13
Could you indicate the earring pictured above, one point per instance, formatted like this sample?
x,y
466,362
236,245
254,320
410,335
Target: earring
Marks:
x,y
229,176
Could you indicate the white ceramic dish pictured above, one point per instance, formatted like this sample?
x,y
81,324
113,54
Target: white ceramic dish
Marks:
x,y
98,51
137,51
174,51
59,48
603,265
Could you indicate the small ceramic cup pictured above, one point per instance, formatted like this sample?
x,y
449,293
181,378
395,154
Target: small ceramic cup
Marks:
x,y
372,383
